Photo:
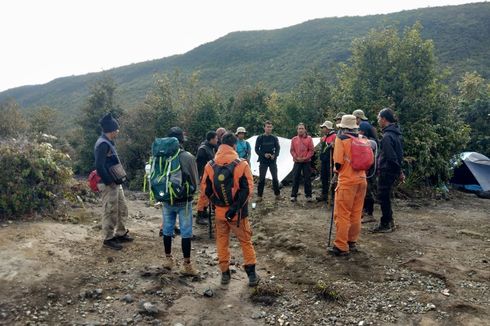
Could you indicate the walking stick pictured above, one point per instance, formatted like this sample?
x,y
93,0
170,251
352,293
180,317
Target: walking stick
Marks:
x,y
331,200
210,222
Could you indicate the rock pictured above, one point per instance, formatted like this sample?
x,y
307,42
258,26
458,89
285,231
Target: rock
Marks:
x,y
208,293
361,323
98,291
431,306
127,298
178,324
148,308
110,259
51,296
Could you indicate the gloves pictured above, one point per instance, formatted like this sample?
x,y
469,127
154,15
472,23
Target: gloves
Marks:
x,y
230,214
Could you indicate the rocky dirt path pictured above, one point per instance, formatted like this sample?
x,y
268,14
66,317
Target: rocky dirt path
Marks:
x,y
434,270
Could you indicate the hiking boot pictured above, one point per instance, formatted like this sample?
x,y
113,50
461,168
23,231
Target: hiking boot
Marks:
x,y
293,199
201,218
124,238
382,229
112,244
337,252
309,199
259,199
368,218
253,278
321,198
225,277
353,247
188,270
168,262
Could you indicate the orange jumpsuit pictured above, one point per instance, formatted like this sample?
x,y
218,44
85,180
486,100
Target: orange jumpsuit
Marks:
x,y
349,195
243,181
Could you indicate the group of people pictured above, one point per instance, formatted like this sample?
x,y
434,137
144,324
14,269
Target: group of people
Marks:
x,y
221,172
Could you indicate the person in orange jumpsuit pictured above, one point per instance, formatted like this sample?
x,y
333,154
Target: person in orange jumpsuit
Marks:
x,y
350,191
227,182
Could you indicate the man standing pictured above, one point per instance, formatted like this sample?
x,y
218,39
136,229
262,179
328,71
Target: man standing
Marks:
x,y
113,200
350,192
228,184
326,146
389,167
181,206
243,147
205,153
302,151
361,117
220,132
267,148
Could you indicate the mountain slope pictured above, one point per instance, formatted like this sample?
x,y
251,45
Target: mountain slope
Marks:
x,y
279,57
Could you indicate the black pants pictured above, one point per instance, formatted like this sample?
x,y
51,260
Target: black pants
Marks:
x,y
272,166
298,169
370,195
325,176
386,182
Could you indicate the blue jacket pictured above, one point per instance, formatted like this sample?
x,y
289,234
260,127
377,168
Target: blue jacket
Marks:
x,y
244,149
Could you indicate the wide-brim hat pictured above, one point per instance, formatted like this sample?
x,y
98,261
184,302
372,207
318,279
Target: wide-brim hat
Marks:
x,y
240,130
359,114
327,124
348,122
339,115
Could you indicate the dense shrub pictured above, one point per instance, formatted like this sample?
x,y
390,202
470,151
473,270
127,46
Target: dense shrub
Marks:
x,y
33,177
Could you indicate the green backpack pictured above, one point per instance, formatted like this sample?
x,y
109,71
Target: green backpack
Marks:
x,y
167,181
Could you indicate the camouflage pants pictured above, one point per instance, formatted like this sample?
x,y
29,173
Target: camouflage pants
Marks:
x,y
115,210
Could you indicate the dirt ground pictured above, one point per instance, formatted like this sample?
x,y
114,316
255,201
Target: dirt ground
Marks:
x,y
433,270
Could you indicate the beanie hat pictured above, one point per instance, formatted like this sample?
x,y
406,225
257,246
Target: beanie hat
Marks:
x,y
178,133
108,123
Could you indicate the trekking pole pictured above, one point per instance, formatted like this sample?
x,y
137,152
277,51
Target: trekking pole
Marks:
x,y
210,222
331,218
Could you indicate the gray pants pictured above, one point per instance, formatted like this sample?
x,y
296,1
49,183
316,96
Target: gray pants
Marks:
x,y
115,210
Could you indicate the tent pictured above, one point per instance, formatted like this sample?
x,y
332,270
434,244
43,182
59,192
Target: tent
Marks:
x,y
473,174
284,160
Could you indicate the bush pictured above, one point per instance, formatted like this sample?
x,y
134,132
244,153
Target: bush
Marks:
x,y
33,175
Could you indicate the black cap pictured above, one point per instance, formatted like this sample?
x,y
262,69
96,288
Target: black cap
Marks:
x,y
108,123
176,132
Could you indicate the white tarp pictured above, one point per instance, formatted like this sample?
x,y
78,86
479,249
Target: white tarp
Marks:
x,y
284,160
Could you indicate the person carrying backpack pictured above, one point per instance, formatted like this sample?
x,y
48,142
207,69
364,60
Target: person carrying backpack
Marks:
x,y
243,147
389,167
174,180
228,183
352,157
108,167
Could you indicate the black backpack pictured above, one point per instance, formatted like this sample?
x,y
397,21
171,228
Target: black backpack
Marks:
x,y
223,183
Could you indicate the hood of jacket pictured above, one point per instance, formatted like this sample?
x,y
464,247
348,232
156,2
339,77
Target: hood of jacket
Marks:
x,y
392,128
225,155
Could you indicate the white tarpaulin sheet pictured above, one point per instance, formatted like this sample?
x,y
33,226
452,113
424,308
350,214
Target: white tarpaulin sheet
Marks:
x,y
284,160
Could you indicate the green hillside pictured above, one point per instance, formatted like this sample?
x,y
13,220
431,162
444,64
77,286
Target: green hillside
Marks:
x,y
279,57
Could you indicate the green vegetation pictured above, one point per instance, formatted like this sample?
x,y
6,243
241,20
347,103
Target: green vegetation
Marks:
x,y
33,176
277,58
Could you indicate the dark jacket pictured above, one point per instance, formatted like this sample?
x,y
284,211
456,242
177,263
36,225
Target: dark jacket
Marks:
x,y
391,151
205,153
267,144
105,157
189,171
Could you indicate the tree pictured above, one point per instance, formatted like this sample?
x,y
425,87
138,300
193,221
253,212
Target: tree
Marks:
x,y
101,100
474,109
13,122
45,120
248,109
389,70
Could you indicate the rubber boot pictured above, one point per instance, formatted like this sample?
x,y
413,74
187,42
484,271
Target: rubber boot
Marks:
x,y
253,278
225,277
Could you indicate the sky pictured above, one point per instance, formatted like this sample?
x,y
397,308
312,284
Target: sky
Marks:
x,y
46,39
